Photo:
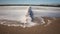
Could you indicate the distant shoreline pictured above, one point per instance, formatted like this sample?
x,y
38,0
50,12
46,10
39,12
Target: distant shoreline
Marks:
x,y
28,5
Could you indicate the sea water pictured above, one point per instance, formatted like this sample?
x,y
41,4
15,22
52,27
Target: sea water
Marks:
x,y
18,13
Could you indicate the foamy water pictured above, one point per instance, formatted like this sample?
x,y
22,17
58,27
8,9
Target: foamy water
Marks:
x,y
18,13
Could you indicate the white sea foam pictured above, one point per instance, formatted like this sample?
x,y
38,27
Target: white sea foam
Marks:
x,y
18,13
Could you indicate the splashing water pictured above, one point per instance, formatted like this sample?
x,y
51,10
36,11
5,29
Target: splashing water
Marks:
x,y
27,19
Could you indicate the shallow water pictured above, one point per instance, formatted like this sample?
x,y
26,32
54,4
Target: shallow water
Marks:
x,y
14,13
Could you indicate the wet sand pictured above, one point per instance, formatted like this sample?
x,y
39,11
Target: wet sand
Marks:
x,y
53,28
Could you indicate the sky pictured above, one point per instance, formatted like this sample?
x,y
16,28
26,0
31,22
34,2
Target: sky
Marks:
x,y
29,1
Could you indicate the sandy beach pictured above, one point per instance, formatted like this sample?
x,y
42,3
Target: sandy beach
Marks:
x,y
52,28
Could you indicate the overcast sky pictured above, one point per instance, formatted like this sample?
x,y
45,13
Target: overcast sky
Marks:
x,y
29,1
